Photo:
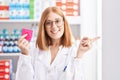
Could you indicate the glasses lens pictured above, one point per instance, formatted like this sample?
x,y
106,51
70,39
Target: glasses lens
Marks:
x,y
58,22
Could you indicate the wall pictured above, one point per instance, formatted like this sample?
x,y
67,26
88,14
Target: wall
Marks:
x,y
111,40
89,29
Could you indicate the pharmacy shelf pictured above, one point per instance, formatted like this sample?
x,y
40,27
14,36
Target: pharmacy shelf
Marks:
x,y
16,20
71,20
9,54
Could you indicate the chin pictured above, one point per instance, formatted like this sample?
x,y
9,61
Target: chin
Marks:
x,y
56,37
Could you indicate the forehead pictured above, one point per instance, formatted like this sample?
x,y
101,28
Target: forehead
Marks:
x,y
53,16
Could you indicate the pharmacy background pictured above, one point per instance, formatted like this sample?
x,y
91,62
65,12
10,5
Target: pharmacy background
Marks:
x,y
18,14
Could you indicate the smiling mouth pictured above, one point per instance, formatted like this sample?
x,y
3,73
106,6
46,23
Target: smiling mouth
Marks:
x,y
55,32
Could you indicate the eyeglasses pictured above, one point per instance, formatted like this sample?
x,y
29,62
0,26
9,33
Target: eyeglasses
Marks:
x,y
58,23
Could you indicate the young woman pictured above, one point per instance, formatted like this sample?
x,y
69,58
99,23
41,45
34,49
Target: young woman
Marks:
x,y
57,56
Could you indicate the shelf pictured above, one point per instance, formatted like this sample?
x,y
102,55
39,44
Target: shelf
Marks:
x,y
16,20
9,54
71,20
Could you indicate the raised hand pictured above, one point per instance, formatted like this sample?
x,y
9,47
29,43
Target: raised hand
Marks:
x,y
23,44
85,45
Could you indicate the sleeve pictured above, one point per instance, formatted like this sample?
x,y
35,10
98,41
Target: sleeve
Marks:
x,y
76,64
25,68
75,70
78,69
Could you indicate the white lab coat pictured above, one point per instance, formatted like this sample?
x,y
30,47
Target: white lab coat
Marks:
x,y
38,67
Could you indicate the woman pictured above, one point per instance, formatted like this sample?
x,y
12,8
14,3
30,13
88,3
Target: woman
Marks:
x,y
56,55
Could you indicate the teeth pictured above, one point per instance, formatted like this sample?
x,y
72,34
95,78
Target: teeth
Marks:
x,y
54,32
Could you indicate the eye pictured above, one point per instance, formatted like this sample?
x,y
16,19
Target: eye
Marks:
x,y
48,22
57,21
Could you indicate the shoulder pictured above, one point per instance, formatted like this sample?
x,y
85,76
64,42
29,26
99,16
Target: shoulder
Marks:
x,y
35,51
75,43
74,47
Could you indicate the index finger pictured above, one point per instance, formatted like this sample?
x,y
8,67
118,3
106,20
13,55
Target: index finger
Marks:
x,y
94,39
23,36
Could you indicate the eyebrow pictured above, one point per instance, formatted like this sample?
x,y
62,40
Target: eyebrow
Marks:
x,y
55,19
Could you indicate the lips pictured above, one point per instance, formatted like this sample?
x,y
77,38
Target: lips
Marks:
x,y
54,32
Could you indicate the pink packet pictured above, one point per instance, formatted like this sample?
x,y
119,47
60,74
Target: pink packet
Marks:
x,y
28,32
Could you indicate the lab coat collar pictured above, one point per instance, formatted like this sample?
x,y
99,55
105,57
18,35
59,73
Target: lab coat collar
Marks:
x,y
64,50
45,56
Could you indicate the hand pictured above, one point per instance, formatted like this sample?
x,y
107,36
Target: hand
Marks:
x,y
23,44
85,45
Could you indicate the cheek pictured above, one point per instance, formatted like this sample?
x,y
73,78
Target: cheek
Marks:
x,y
47,30
62,30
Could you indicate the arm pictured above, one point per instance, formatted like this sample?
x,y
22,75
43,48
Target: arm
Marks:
x,y
74,70
78,69
76,63
85,45
25,68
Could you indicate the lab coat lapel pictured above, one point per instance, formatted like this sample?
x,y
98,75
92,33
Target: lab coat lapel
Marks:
x,y
61,54
44,58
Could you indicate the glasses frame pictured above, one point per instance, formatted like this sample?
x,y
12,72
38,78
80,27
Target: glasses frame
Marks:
x,y
54,22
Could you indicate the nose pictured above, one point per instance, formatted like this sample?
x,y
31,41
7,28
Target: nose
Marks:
x,y
53,24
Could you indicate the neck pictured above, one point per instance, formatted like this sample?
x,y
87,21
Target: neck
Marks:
x,y
56,43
